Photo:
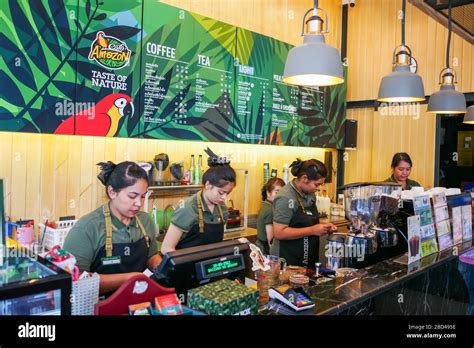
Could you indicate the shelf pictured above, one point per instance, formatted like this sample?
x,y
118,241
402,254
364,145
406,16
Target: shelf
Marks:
x,y
175,188
155,192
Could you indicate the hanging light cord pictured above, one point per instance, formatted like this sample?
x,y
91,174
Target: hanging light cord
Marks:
x,y
403,21
449,35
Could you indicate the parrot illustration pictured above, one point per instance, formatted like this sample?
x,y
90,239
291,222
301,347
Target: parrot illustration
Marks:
x,y
102,119
101,40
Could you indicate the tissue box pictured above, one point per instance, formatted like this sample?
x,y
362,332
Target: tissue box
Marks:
x,y
224,297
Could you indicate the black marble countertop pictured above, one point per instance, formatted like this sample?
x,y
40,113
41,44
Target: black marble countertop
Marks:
x,y
332,298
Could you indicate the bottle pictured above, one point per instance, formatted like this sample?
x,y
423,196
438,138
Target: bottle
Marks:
x,y
319,203
191,172
274,173
326,203
286,173
266,172
198,173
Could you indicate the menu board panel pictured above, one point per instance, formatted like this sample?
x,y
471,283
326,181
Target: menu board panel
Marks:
x,y
141,68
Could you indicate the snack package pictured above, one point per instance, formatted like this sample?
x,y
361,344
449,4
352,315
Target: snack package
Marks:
x,y
140,309
260,262
168,305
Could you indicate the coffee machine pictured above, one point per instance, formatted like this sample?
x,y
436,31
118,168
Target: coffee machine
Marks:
x,y
372,237
385,207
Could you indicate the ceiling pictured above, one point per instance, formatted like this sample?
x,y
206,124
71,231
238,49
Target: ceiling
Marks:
x,y
462,15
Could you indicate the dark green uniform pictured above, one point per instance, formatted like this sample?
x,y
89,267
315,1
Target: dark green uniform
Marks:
x,y
298,210
86,241
265,217
186,218
410,183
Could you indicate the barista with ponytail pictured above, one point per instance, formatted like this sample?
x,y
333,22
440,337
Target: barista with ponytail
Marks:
x,y
265,215
116,240
295,217
200,220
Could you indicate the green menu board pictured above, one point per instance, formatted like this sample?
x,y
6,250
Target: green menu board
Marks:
x,y
141,68
253,81
283,124
187,74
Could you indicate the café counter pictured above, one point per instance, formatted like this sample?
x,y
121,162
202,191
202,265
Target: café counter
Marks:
x,y
430,286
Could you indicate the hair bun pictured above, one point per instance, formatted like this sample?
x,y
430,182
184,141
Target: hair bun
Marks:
x,y
295,166
214,160
106,168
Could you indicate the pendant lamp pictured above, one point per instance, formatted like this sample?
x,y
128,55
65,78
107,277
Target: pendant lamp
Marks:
x,y
402,85
447,100
314,63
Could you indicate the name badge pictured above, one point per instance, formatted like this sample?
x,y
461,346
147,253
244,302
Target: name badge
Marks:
x,y
113,260
308,212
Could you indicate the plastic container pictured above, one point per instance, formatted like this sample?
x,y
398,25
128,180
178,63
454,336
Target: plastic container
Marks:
x,y
85,295
55,236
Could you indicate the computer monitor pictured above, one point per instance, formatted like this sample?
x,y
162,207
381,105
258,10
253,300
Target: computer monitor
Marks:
x,y
190,267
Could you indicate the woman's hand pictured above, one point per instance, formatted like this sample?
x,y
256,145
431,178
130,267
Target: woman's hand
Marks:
x,y
322,229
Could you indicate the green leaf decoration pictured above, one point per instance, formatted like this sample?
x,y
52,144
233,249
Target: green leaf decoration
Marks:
x,y
244,45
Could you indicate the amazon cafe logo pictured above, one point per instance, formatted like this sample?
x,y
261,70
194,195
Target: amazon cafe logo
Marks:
x,y
109,52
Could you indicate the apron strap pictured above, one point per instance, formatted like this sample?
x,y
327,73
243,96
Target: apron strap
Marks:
x,y
200,218
145,235
108,230
221,215
300,202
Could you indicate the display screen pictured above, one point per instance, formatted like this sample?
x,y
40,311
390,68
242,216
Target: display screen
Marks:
x,y
223,265
45,303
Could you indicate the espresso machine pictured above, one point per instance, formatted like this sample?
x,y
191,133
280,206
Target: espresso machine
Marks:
x,y
371,209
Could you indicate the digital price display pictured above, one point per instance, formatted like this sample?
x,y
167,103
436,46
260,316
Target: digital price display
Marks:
x,y
220,266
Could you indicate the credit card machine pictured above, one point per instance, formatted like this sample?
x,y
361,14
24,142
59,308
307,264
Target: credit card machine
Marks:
x,y
296,298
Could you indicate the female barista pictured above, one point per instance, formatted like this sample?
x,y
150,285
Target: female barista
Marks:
x,y
116,240
265,215
295,217
201,218
401,169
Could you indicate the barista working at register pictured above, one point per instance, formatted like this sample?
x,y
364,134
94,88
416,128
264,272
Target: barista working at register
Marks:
x,y
401,169
117,240
201,218
295,217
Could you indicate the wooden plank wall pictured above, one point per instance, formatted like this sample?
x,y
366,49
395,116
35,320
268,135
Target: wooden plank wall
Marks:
x,y
380,135
52,176
280,19
374,31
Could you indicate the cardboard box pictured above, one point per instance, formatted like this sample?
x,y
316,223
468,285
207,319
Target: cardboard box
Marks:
x,y
224,297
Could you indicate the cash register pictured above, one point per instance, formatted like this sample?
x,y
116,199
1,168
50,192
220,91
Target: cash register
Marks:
x,y
188,268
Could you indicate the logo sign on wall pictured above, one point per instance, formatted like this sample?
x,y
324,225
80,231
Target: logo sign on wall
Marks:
x,y
110,52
